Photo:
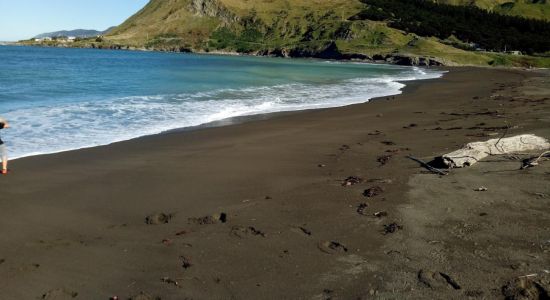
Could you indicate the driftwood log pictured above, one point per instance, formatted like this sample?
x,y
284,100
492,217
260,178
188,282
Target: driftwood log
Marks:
x,y
474,152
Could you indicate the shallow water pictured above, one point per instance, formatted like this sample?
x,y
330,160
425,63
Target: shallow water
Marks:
x,y
64,99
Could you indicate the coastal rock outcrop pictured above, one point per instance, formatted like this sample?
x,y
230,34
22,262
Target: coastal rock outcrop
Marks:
x,y
212,8
409,60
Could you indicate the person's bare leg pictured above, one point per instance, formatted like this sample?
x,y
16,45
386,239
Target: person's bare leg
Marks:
x,y
4,155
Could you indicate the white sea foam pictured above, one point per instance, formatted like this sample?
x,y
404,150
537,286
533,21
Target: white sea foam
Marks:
x,y
69,126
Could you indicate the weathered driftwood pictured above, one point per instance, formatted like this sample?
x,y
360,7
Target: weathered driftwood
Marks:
x,y
474,152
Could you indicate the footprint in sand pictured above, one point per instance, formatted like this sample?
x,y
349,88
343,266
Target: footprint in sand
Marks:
x,y
332,247
362,209
241,231
302,230
436,280
527,289
384,159
351,180
392,228
158,219
59,294
344,148
208,220
373,191
380,214
185,262
144,296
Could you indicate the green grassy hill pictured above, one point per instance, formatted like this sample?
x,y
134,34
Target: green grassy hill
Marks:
x,y
235,24
537,9
294,28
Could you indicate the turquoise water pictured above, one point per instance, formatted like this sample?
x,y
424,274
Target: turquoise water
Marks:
x,y
64,99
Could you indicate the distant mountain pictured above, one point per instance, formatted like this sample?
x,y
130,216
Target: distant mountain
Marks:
x,y
536,9
82,33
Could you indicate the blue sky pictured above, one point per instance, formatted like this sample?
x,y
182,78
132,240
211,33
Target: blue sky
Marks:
x,y
23,19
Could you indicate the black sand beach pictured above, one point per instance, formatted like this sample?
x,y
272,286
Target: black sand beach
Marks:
x,y
258,210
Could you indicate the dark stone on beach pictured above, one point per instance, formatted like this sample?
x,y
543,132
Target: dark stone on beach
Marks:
x,y
384,159
185,262
373,191
351,180
361,209
392,228
157,219
388,143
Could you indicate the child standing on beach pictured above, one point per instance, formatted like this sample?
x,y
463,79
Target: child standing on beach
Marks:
x,y
3,151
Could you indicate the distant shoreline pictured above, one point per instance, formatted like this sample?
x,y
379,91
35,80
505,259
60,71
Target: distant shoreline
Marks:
x,y
391,59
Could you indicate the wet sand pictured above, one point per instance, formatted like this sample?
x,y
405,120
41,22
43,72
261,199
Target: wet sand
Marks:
x,y
258,210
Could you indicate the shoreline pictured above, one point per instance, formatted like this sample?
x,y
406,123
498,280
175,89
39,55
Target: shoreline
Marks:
x,y
252,117
393,59
250,210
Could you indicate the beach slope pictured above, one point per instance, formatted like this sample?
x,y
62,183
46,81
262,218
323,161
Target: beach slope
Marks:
x,y
261,209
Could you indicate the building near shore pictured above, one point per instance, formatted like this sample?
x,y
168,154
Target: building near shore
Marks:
x,y
44,39
514,52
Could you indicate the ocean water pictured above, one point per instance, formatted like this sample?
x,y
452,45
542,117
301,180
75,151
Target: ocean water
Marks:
x,y
64,99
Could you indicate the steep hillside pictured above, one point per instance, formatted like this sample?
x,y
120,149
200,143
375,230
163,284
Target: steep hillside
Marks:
x,y
537,9
203,24
340,29
319,28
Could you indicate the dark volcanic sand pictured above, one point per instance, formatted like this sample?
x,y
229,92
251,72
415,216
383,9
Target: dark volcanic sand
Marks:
x,y
260,210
